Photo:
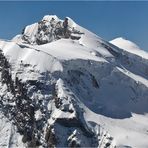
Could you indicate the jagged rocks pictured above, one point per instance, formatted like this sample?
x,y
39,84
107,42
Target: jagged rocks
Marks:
x,y
46,31
50,137
94,82
66,118
26,137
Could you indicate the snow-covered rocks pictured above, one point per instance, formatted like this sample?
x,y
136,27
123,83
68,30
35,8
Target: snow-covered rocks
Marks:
x,y
38,115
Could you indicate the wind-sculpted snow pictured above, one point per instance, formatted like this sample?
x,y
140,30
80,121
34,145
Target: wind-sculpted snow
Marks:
x,y
68,92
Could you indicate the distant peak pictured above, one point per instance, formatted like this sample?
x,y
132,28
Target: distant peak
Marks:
x,y
123,43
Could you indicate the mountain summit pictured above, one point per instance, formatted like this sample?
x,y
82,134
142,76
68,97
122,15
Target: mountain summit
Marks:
x,y
71,89
124,44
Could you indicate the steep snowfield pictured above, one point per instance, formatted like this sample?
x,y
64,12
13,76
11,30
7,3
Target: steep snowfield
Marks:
x,y
100,93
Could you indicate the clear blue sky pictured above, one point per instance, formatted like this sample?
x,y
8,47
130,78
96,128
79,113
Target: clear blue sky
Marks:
x,y
107,19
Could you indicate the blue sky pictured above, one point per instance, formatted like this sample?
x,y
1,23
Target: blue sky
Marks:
x,y
107,19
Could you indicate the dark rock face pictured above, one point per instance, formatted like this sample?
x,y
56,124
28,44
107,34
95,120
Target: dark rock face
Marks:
x,y
50,137
94,82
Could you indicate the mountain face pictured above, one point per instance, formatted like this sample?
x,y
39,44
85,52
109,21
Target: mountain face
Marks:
x,y
71,90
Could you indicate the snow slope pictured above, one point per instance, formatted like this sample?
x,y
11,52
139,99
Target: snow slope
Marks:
x,y
129,46
85,92
125,44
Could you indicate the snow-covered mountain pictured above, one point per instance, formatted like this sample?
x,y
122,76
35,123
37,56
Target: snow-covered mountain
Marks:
x,y
124,44
76,90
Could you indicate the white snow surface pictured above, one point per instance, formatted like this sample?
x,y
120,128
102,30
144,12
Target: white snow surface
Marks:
x,y
125,44
129,46
111,104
